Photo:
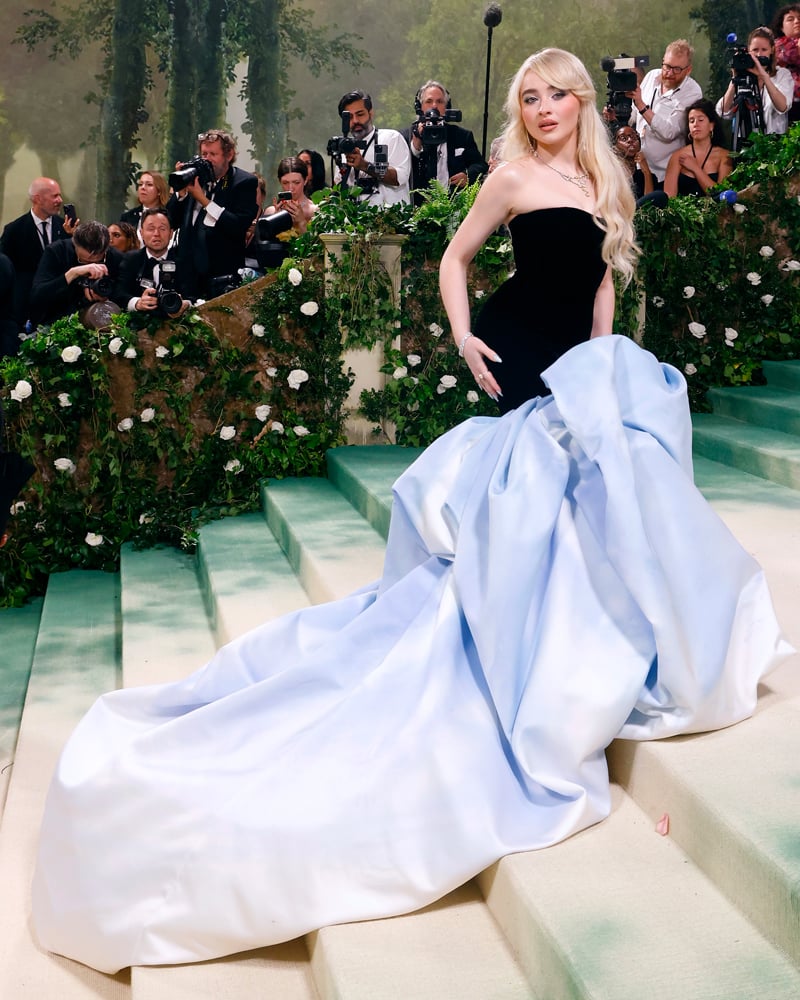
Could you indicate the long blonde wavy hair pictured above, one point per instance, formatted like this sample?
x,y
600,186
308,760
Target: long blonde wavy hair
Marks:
x,y
615,200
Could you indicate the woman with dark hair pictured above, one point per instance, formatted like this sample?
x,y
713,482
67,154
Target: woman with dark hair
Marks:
x,y
775,83
704,161
123,237
293,175
786,28
152,191
316,170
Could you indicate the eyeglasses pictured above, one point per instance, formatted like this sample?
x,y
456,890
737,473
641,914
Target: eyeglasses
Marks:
x,y
673,69
212,136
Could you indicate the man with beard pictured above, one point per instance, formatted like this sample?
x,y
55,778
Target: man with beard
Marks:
x,y
213,218
357,169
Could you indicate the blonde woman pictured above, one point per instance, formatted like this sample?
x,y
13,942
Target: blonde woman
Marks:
x,y
567,200
552,581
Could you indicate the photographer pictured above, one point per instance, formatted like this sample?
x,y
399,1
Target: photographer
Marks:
x,y
660,104
73,274
293,176
758,71
355,149
212,208
145,285
441,150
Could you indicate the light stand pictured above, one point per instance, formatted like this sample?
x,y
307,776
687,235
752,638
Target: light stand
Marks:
x,y
492,17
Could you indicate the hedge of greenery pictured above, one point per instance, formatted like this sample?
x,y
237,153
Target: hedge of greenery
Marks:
x,y
143,434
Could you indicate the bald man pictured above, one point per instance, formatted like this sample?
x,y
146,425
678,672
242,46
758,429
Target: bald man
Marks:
x,y
23,240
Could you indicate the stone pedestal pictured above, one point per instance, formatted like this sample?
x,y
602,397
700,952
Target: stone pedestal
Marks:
x,y
366,362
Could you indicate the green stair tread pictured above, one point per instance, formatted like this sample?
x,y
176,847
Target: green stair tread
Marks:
x,y
737,432
365,475
19,628
166,632
784,373
245,576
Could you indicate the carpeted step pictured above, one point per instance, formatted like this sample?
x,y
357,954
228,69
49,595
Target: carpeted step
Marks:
x,y
618,911
165,631
785,374
76,659
18,628
757,450
365,477
246,578
765,406
329,545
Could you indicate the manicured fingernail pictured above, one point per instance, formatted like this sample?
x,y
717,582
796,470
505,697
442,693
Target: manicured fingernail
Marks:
x,y
498,358
499,392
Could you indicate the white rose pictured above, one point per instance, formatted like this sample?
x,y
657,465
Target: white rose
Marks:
x,y
413,360
161,351
658,302
754,278
436,330
115,345
93,539
697,330
309,308
400,372
480,292
71,354
64,465
18,507
147,415
21,390
792,265
690,369
294,276
130,353
301,431
681,252
448,381
262,412
277,426
767,299
766,251
64,400
125,424
472,396
296,377
257,330
739,208
145,519
234,465
440,389
730,333
688,292
227,433
272,372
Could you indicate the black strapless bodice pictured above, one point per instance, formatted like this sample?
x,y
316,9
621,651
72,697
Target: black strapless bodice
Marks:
x,y
547,306
687,184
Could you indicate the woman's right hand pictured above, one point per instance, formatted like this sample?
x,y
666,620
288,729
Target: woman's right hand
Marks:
x,y
476,355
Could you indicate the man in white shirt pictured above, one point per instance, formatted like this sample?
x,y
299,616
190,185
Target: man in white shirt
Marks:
x,y
660,104
381,185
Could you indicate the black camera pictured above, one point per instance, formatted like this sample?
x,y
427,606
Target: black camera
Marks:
x,y
223,283
742,62
169,298
621,78
344,143
270,251
101,286
196,167
431,127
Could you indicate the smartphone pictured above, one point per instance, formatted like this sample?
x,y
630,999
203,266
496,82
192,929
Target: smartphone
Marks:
x,y
70,213
285,196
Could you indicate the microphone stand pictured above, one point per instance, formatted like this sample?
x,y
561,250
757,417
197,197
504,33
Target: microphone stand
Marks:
x,y
491,19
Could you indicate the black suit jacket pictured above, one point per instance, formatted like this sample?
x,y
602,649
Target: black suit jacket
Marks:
x,y
9,328
21,243
206,252
51,296
463,156
132,268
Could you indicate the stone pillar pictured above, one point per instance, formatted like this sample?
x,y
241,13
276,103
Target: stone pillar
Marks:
x,y
366,362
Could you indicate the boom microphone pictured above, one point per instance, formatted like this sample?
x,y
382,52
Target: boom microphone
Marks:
x,y
493,15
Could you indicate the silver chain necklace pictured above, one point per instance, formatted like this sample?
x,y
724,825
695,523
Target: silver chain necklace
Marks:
x,y
579,180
